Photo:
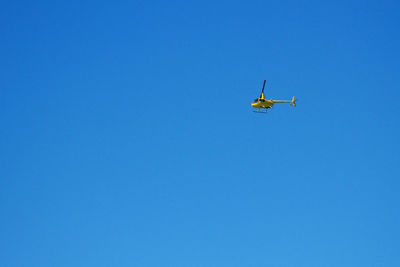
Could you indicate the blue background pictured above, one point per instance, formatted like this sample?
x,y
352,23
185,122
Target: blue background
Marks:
x,y
127,136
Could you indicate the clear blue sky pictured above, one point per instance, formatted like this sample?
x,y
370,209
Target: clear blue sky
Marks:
x,y
127,136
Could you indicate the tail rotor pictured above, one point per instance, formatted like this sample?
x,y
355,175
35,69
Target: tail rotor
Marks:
x,y
293,103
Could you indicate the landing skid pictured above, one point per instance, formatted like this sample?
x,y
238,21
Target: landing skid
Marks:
x,y
259,111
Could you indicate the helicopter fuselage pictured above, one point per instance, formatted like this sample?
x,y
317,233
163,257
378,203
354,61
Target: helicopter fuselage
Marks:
x,y
263,103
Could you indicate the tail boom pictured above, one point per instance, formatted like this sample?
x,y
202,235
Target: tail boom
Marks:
x,y
293,102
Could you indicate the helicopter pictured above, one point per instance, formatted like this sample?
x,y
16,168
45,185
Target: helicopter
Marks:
x,y
262,103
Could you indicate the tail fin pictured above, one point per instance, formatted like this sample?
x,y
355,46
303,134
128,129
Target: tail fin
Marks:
x,y
293,103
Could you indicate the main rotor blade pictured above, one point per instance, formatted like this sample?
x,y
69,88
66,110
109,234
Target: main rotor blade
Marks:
x,y
263,88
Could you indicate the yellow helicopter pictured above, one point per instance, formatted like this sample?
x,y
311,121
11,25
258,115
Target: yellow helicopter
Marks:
x,y
262,103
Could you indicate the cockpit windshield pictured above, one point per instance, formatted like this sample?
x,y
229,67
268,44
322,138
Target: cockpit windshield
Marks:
x,y
255,100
